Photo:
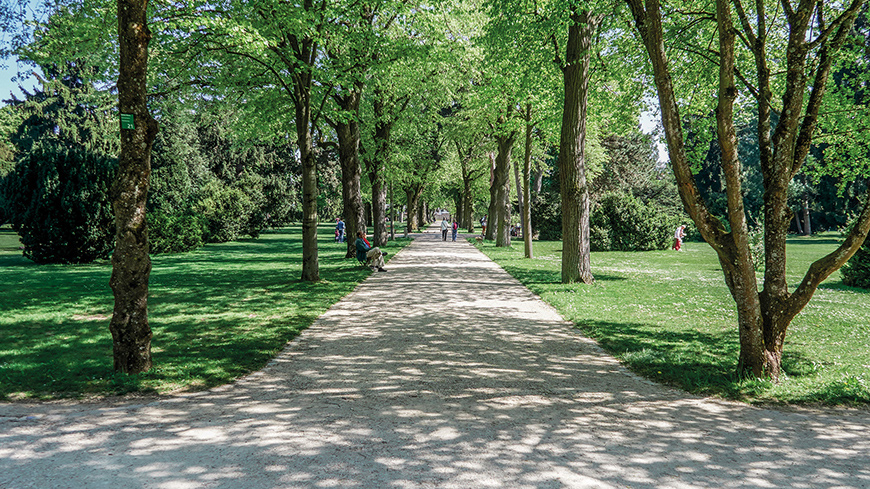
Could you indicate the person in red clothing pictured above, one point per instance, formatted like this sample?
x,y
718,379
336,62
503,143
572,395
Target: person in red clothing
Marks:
x,y
365,252
679,234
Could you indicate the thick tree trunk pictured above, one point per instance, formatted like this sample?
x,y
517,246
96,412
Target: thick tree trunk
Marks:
x,y
413,194
576,266
131,265
310,263
503,189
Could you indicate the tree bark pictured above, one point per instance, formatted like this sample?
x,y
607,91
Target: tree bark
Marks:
x,y
492,210
527,200
501,182
348,135
576,265
808,230
131,265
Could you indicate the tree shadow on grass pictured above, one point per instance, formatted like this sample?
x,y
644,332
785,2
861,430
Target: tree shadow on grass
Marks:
x,y
539,276
672,357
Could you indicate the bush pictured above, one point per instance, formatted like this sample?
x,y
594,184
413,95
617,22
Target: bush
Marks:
x,y
547,216
58,202
226,212
169,233
620,222
856,271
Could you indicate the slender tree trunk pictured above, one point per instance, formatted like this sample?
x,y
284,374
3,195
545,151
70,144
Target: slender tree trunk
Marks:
x,y
519,187
502,185
375,166
348,134
576,266
527,200
492,211
468,207
131,265
808,230
539,180
392,215
797,223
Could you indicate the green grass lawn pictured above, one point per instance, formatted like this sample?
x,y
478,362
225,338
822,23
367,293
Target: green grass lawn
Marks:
x,y
217,313
669,316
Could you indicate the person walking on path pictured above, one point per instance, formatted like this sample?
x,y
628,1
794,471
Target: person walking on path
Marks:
x,y
365,252
339,230
455,229
679,234
444,227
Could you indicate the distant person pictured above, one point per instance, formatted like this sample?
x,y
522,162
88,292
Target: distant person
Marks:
x,y
339,230
444,227
365,253
483,226
679,234
455,229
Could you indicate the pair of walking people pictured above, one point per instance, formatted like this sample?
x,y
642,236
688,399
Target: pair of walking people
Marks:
x,y
445,226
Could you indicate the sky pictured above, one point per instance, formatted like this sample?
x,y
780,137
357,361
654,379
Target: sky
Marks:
x,y
6,83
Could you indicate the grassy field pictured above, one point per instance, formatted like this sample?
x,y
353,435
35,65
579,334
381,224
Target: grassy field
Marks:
x,y
216,313
669,316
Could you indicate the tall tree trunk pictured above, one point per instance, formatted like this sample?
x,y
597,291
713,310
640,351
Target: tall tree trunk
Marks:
x,y
527,200
576,266
310,263
375,167
468,207
503,189
808,230
539,180
519,187
131,265
415,211
492,210
348,134
392,215
797,223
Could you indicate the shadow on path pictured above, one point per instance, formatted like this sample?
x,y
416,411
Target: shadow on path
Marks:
x,y
442,372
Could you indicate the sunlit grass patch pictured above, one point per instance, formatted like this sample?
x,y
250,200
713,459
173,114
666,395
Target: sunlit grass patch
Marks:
x,y
216,313
669,316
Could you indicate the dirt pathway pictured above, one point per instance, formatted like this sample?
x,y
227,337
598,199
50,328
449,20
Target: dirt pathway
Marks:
x,y
443,372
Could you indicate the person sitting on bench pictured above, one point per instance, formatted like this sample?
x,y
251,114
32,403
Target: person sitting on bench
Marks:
x,y
366,254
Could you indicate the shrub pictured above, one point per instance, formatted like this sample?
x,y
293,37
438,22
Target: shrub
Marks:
x,y
856,271
58,200
620,222
226,212
170,233
547,216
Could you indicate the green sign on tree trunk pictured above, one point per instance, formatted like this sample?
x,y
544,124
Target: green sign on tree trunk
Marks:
x,y
127,121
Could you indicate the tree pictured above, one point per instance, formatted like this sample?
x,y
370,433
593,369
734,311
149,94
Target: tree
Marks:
x,y
793,56
131,265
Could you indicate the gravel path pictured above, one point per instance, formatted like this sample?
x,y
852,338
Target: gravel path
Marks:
x,y
443,372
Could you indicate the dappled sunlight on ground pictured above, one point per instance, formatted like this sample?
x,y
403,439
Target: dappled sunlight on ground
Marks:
x,y
441,372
